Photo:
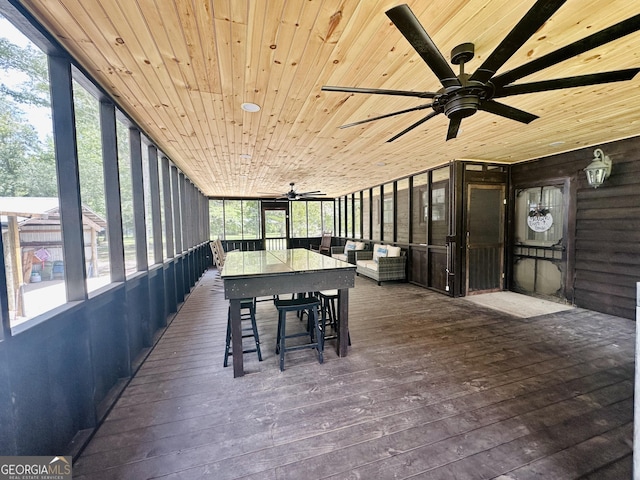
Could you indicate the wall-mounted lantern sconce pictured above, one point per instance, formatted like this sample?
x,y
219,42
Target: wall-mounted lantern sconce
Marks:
x,y
599,169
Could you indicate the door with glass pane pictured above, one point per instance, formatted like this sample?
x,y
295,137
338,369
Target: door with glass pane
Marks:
x,y
485,238
275,227
539,253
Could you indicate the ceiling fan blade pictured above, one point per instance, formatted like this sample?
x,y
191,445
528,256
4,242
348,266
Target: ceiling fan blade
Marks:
x,y
527,26
454,126
408,129
569,82
404,19
379,91
507,111
602,37
413,109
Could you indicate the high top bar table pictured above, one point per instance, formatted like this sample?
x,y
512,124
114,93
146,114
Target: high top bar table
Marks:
x,y
275,272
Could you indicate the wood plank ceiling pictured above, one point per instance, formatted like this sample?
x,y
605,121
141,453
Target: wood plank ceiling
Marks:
x,y
181,68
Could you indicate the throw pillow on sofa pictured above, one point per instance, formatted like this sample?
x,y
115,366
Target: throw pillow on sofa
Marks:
x,y
349,246
381,251
393,251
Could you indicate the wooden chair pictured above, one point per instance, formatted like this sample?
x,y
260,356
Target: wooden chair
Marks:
x,y
325,244
218,253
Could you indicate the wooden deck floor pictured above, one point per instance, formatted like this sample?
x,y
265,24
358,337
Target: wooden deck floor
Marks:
x,y
433,388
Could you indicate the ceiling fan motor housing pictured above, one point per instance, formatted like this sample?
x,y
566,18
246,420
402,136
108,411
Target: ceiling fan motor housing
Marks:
x,y
461,105
459,102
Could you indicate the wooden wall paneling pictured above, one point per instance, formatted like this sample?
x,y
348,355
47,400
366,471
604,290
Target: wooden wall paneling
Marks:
x,y
138,319
171,304
70,387
604,241
28,388
111,357
157,308
437,261
417,266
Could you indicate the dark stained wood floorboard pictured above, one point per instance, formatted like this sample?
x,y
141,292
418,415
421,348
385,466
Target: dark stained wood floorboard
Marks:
x,y
432,388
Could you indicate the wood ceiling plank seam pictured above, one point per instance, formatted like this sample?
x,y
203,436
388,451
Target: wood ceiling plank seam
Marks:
x,y
220,11
251,93
69,40
365,105
297,61
202,56
572,22
348,111
258,54
240,42
579,116
192,20
133,48
318,119
179,58
238,50
222,28
359,30
71,29
269,65
316,124
204,17
265,139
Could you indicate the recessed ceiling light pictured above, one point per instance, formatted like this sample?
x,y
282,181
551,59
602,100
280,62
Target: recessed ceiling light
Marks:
x,y
245,155
381,164
556,144
250,107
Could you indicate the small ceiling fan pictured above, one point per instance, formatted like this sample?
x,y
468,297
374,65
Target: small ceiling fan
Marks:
x,y
463,95
293,195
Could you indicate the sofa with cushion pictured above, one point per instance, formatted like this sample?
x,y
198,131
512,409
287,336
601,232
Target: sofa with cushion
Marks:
x,y
382,263
348,252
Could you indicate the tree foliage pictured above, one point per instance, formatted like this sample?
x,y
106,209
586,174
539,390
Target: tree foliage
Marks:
x,y
27,156
27,162
31,63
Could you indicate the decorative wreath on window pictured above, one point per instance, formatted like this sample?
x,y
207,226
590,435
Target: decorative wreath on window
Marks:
x,y
538,212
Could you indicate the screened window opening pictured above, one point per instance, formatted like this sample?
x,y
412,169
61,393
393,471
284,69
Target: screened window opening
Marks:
x,y
31,227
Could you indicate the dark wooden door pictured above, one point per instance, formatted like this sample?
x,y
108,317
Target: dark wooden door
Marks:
x,y
485,238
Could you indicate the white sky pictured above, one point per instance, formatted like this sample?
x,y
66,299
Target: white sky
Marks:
x,y
39,117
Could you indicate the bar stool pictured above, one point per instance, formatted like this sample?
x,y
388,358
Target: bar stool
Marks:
x,y
298,305
248,304
329,314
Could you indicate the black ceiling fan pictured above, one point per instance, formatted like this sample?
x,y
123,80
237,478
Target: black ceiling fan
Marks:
x,y
293,195
463,95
